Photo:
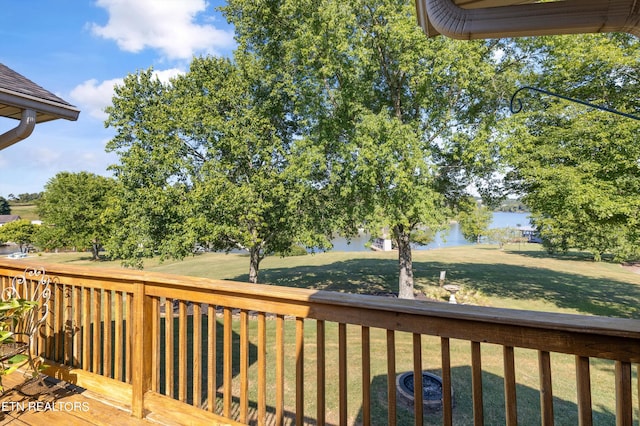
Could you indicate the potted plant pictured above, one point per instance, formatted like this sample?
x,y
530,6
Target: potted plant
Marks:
x,y
13,354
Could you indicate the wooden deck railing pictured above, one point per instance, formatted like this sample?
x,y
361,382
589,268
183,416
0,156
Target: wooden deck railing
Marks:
x,y
268,354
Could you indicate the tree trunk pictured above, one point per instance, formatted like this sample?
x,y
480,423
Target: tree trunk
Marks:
x,y
405,264
255,257
95,251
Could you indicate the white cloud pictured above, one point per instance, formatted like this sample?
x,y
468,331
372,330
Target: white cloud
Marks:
x,y
165,25
93,96
166,75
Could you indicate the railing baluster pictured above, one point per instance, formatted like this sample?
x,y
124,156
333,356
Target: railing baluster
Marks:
x,y
262,369
244,366
58,334
96,323
128,299
139,319
546,389
77,329
212,370
168,348
583,384
342,372
391,377
66,325
107,338
197,355
624,407
119,336
48,348
476,384
182,351
227,362
510,401
299,371
418,404
86,329
155,344
321,381
366,376
447,402
279,370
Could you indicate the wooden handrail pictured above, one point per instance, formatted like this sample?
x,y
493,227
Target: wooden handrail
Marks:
x,y
139,295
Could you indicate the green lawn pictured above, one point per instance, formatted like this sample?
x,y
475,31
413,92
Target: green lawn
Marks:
x,y
520,277
523,277
25,211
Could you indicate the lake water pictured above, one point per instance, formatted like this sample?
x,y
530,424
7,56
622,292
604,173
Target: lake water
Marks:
x,y
452,238
448,239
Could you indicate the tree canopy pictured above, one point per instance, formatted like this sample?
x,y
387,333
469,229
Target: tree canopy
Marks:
x,y
206,159
5,208
474,219
71,209
577,167
20,232
396,123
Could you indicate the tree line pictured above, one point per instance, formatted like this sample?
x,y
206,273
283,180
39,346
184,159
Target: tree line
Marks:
x,y
342,116
26,198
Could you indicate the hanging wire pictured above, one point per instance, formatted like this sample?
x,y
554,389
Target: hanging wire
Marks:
x,y
516,103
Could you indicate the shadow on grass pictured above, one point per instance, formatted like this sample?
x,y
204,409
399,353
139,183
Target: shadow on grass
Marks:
x,y
580,256
252,415
585,294
528,403
188,366
366,276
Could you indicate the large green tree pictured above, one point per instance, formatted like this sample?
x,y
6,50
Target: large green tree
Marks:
x,y
474,219
578,168
5,208
205,159
21,232
71,207
395,123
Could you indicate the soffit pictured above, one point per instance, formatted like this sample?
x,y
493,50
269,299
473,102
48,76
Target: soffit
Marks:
x,y
18,93
477,19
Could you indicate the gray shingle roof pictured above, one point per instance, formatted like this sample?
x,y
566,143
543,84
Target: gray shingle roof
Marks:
x,y
6,218
18,92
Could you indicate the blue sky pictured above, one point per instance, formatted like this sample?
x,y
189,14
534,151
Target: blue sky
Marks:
x,y
80,49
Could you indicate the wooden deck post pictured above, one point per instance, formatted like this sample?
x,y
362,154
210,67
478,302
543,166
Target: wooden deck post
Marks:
x,y
142,347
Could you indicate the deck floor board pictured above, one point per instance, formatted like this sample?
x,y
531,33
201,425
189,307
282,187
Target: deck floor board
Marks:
x,y
62,403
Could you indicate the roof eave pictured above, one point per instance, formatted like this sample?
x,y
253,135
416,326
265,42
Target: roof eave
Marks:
x,y
518,20
46,110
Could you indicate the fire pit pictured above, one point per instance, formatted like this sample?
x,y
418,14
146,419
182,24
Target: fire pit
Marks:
x,y
431,390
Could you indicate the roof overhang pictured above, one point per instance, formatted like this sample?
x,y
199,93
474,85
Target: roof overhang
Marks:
x,y
23,100
482,19
13,103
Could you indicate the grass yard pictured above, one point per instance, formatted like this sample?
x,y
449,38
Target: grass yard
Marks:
x,y
565,404
521,277
25,211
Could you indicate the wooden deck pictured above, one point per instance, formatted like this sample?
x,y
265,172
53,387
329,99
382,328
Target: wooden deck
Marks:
x,y
219,361
60,403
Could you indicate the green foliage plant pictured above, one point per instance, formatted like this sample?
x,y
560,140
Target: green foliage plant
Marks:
x,y
503,236
11,311
21,232
5,208
206,159
474,220
577,167
71,208
394,124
